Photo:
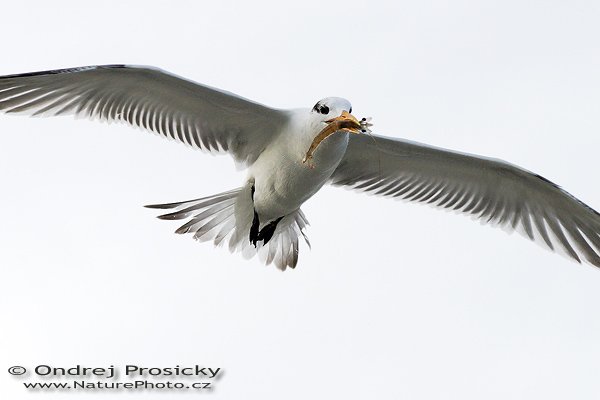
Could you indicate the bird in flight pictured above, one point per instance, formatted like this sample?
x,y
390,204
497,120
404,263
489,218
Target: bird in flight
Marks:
x,y
291,154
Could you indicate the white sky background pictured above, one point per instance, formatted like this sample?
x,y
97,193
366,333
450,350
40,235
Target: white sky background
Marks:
x,y
395,300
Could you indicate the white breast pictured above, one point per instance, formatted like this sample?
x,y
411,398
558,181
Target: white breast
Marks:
x,y
282,181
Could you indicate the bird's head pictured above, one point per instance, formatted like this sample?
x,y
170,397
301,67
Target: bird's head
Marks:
x,y
336,109
336,112
334,115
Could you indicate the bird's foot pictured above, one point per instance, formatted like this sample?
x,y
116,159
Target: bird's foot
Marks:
x,y
254,233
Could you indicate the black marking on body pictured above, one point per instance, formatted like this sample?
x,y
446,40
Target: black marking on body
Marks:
x,y
254,232
266,233
255,222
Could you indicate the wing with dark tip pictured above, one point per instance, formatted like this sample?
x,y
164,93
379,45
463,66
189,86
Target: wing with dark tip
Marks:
x,y
197,115
491,190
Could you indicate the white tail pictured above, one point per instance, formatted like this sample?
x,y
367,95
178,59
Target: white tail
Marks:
x,y
228,217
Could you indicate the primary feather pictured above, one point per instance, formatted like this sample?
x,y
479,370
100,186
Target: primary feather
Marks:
x,y
491,190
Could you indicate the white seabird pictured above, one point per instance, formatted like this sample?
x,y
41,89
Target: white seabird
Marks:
x,y
264,216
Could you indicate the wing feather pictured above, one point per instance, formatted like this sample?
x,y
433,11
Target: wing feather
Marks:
x,y
196,115
490,190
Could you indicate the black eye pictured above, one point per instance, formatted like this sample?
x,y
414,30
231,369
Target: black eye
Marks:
x,y
350,110
321,109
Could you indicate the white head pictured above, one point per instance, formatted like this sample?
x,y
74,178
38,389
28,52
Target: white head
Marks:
x,y
329,116
337,110
331,107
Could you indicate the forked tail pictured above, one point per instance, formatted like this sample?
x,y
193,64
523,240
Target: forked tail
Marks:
x,y
227,217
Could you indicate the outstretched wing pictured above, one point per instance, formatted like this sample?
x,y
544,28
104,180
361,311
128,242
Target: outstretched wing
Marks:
x,y
179,109
489,189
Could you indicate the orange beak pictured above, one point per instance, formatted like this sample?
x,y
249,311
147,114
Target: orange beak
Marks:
x,y
347,122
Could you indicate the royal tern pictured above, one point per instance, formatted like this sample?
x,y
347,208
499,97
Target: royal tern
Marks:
x,y
291,154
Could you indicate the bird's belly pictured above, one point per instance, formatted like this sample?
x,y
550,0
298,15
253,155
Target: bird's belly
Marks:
x,y
282,182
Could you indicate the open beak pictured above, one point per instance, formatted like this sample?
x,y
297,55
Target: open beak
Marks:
x,y
347,122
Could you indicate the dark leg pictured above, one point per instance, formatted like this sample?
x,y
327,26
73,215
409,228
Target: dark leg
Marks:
x,y
254,234
267,232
